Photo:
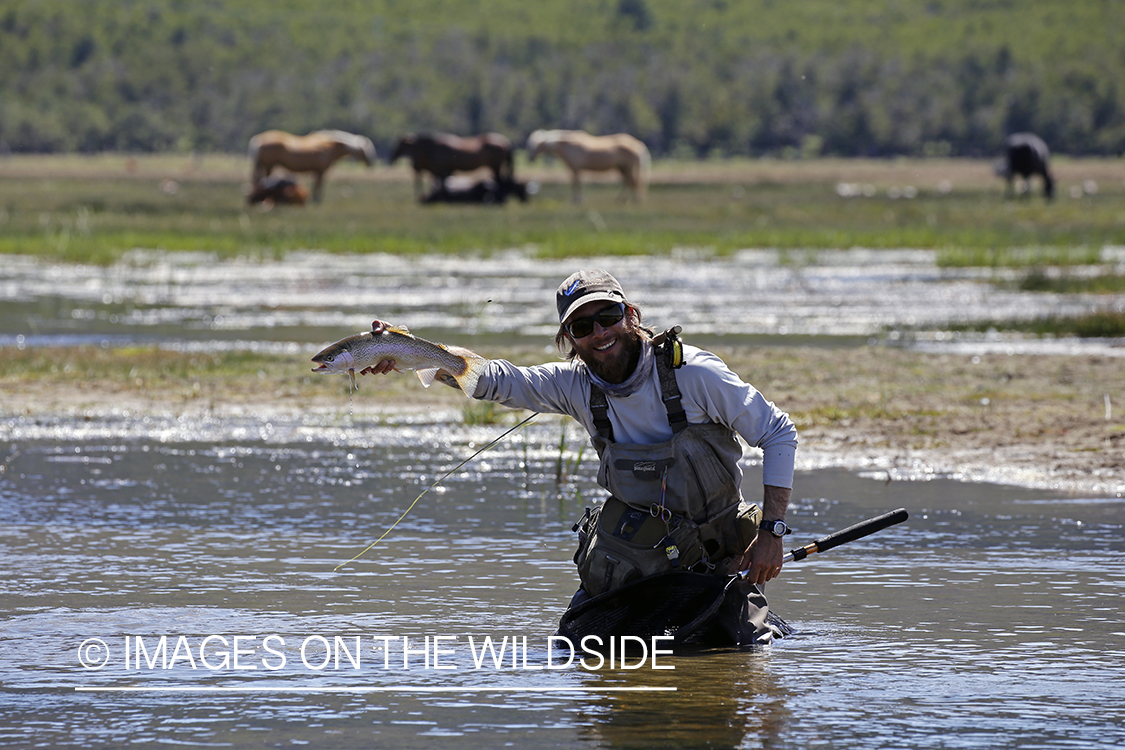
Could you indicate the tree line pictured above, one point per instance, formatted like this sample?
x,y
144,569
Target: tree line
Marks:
x,y
691,78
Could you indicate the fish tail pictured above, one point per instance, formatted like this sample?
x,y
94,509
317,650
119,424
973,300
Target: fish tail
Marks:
x,y
466,380
474,368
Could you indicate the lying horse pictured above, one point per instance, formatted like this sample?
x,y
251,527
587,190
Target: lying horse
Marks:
x,y
1025,154
484,191
442,154
275,190
315,153
581,151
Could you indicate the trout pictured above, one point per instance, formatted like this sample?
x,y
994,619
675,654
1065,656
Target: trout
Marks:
x,y
409,352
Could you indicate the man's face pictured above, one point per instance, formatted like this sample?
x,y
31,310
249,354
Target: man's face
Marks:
x,y
610,352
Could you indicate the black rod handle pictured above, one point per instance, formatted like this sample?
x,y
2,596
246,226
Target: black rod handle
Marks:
x,y
850,534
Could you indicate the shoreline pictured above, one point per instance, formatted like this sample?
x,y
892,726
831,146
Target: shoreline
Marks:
x,y
1044,422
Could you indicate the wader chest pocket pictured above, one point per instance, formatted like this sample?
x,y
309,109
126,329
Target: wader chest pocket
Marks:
x,y
637,527
625,543
646,471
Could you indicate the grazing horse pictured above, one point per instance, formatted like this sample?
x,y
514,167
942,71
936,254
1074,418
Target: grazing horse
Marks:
x,y
315,153
581,151
442,154
1025,154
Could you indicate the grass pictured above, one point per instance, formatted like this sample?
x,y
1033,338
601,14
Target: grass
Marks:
x,y
1105,324
1040,279
879,395
97,209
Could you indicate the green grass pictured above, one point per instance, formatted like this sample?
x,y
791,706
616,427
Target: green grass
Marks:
x,y
1105,324
1038,279
92,212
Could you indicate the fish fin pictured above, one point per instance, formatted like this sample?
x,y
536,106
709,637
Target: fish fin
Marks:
x,y
351,374
427,376
474,368
398,328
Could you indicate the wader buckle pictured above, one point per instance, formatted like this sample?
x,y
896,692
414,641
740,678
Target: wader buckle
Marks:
x,y
659,510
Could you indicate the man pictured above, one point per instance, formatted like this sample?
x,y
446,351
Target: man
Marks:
x,y
663,417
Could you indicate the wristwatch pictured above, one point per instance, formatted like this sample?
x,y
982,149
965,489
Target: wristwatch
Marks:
x,y
777,528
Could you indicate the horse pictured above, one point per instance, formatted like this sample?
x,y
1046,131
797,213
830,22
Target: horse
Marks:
x,y
486,192
1025,154
580,150
315,153
442,154
275,190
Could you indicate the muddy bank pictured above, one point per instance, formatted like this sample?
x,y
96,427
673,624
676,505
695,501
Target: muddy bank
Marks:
x,y
1036,421
1053,422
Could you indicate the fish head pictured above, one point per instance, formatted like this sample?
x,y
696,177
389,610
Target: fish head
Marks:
x,y
336,358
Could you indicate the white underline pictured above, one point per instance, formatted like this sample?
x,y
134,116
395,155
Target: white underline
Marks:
x,y
365,689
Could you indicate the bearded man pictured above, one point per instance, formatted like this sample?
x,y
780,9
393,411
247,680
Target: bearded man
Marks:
x,y
664,418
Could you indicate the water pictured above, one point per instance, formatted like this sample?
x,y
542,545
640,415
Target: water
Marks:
x,y
192,301
990,619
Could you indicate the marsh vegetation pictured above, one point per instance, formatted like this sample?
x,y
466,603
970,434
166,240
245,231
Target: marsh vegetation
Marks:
x,y
95,209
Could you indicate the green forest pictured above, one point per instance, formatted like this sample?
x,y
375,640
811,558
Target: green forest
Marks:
x,y
692,78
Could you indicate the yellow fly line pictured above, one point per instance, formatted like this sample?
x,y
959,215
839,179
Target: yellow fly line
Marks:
x,y
438,481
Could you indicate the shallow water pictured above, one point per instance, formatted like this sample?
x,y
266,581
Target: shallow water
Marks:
x,y
188,300
990,619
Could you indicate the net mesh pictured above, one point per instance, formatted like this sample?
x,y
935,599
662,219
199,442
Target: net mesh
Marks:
x,y
687,606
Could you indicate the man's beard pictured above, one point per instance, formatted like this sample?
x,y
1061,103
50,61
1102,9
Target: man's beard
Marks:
x,y
619,368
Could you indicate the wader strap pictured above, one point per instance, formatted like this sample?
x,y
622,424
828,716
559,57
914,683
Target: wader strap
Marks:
x,y
600,407
669,357
669,391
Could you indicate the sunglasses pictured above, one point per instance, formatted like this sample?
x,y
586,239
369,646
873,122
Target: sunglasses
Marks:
x,y
580,328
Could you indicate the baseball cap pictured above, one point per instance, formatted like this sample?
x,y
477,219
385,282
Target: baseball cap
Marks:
x,y
586,286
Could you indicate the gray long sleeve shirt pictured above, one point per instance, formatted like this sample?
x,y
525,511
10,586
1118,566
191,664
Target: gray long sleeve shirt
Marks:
x,y
710,393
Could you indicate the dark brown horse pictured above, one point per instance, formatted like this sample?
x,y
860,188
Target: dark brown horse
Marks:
x,y
277,190
442,154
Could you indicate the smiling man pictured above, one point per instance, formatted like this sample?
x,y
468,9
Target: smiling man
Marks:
x,y
664,418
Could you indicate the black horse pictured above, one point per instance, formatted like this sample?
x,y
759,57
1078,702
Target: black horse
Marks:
x,y
1026,155
483,191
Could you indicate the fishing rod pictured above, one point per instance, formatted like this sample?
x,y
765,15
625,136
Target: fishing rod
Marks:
x,y
843,536
437,481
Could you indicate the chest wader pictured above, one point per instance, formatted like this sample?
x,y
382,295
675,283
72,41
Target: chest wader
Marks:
x,y
674,505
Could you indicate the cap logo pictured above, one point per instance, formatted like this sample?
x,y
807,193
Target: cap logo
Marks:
x,y
574,285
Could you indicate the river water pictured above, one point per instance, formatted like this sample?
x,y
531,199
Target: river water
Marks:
x,y
194,300
173,580
991,618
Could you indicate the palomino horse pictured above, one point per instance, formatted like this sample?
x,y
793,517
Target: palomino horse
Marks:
x,y
580,150
442,154
315,153
1026,155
